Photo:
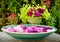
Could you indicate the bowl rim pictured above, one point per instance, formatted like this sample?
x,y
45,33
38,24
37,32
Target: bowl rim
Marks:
x,y
30,33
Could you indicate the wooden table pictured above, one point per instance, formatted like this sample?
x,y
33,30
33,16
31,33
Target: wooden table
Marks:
x,y
51,38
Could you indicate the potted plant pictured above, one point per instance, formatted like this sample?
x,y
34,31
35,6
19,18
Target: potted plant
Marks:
x,y
33,14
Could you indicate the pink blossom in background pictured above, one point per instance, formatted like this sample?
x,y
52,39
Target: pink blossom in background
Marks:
x,y
12,19
47,3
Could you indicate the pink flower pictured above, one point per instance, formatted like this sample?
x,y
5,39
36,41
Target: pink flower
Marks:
x,y
12,18
31,30
40,30
47,3
36,14
29,13
40,10
12,15
23,27
12,30
32,9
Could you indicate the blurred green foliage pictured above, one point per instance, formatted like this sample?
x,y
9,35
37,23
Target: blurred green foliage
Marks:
x,y
55,13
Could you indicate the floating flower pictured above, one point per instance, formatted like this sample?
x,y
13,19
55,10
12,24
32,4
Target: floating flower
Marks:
x,y
32,29
12,30
28,29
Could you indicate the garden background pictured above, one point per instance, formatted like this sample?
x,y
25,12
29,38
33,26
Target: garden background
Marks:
x,y
8,7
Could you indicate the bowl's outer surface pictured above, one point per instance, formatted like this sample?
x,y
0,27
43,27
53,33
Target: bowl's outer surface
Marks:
x,y
28,36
